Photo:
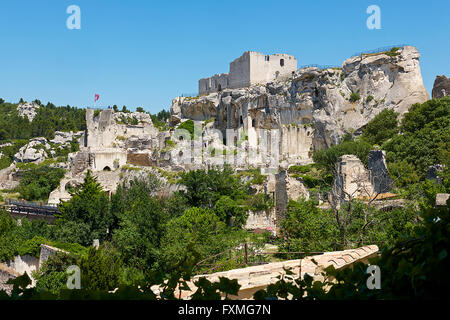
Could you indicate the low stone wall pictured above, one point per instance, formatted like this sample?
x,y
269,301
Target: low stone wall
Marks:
x,y
6,274
25,263
46,252
259,277
261,220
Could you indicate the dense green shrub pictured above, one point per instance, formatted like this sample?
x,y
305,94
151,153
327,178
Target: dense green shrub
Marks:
x,y
424,138
38,182
328,158
89,205
381,128
188,125
355,97
204,188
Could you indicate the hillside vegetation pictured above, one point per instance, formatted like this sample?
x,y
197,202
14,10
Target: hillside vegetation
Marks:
x,y
147,238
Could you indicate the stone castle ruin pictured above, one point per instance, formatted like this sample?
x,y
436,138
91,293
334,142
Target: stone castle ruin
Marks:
x,y
263,114
251,68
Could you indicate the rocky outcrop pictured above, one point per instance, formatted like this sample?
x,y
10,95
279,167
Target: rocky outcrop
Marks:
x,y
34,151
28,110
351,179
64,138
315,108
441,199
379,175
296,189
7,179
6,274
441,87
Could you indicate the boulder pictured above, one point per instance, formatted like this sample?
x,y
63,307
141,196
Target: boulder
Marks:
x,y
296,189
65,138
28,110
441,199
379,175
33,151
441,87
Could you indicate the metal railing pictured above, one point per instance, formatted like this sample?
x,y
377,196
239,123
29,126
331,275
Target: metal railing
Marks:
x,y
189,95
33,208
320,67
378,50
242,256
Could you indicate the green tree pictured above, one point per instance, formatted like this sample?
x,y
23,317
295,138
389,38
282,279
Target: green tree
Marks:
x,y
37,183
308,228
204,188
52,276
424,138
89,205
101,268
328,158
381,128
230,212
141,222
197,234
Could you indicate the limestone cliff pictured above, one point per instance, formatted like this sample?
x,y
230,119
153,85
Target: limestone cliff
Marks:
x,y
321,105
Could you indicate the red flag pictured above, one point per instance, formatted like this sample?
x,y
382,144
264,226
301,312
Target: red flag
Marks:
x,y
96,97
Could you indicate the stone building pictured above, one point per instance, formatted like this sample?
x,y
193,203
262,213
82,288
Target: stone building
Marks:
x,y
250,69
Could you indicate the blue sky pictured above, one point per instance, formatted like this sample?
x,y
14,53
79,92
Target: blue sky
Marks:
x,y
145,52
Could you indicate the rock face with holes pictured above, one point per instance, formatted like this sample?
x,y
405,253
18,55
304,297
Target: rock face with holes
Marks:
x,y
34,151
441,87
28,110
313,109
64,138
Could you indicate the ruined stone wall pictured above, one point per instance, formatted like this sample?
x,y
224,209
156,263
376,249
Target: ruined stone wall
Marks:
x,y
46,252
351,180
215,83
108,159
6,274
265,68
281,196
24,263
296,142
239,75
261,220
